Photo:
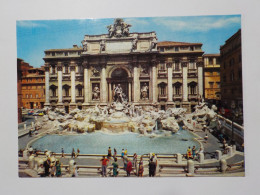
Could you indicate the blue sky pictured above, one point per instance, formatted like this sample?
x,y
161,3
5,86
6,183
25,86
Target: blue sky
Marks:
x,y
35,36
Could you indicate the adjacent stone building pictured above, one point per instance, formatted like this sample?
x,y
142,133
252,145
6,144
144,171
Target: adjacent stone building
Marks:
x,y
231,72
212,78
32,87
124,66
19,90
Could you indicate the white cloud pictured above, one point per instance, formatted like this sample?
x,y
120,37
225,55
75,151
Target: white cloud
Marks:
x,y
25,23
199,24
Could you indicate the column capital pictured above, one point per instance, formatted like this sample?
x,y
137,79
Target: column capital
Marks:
x,y
103,65
59,67
154,62
85,64
184,63
72,67
200,64
169,64
135,64
47,68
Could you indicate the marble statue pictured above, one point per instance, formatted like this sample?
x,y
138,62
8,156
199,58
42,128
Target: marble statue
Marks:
x,y
144,91
118,29
96,93
118,91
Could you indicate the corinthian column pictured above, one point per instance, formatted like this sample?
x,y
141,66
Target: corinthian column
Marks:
x,y
154,81
59,68
200,78
86,83
47,85
103,84
72,79
169,67
136,81
185,81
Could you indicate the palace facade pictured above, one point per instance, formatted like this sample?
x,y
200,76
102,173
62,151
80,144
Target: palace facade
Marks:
x,y
212,78
231,72
163,74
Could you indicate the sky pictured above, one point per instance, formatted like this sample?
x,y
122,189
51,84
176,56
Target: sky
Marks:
x,y
35,36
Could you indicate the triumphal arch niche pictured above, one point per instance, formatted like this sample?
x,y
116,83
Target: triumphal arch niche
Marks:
x,y
124,66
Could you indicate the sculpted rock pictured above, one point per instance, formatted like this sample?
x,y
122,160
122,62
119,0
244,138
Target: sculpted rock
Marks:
x,y
170,124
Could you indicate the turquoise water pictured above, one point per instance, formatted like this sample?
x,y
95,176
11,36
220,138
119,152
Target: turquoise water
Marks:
x,y
98,143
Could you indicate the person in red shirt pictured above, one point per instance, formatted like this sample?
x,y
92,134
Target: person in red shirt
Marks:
x,y
128,167
104,161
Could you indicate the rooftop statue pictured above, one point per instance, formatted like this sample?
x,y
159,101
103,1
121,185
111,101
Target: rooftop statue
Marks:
x,y
118,29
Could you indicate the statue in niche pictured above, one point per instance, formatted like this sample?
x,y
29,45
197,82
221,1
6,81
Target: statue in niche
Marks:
x,y
153,44
144,70
144,92
119,96
102,46
95,72
96,93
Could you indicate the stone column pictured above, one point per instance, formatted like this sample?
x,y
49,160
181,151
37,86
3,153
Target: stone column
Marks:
x,y
223,165
72,79
86,84
129,92
73,90
179,158
154,81
201,157
185,81
219,154
191,167
136,88
47,85
200,78
169,69
59,68
103,86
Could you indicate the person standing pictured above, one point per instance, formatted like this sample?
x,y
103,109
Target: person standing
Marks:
x,y
73,154
46,165
140,169
115,153
123,153
40,171
109,153
135,162
193,152
104,161
78,151
62,152
115,168
75,170
188,153
152,168
58,168
129,167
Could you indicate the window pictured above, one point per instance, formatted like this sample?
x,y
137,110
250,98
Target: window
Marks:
x,y
192,89
79,53
66,53
53,53
162,66
53,69
67,92
191,48
232,76
211,84
177,66
36,95
210,61
80,91
177,90
31,95
27,96
66,67
192,64
176,48
218,84
161,49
